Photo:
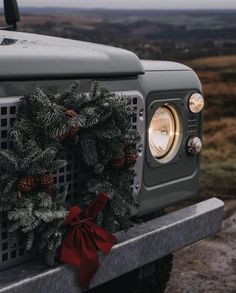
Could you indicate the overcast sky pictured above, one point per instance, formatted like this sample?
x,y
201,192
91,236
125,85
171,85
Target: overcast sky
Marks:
x,y
132,4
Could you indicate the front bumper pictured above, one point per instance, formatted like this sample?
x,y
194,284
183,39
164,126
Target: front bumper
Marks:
x,y
141,245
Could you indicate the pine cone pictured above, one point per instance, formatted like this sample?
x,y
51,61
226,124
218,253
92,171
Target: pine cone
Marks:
x,y
46,181
27,184
130,159
118,163
73,131
70,113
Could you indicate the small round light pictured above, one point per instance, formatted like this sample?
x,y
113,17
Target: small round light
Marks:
x,y
194,145
196,103
164,133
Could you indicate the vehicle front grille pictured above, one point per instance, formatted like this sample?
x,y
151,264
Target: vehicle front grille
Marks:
x,y
13,253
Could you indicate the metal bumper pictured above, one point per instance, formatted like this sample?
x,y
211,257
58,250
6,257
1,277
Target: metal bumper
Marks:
x,y
141,245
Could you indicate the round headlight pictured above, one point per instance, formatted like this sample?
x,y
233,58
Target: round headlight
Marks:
x,y
196,103
164,133
194,145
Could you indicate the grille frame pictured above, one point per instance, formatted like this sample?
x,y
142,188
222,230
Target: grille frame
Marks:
x,y
139,124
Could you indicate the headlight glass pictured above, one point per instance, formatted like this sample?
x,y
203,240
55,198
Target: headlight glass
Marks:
x,y
163,132
196,103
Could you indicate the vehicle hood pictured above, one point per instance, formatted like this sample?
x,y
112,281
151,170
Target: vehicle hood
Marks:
x,y
24,55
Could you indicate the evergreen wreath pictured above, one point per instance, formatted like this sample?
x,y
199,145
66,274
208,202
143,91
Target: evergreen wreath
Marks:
x,y
95,127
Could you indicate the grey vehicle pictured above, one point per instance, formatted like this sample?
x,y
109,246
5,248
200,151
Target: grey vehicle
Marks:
x,y
167,98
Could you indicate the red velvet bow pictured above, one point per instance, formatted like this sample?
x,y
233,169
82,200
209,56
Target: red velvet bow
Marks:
x,y
84,238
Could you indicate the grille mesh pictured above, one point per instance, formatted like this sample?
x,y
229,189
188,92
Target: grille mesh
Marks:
x,y
12,253
15,253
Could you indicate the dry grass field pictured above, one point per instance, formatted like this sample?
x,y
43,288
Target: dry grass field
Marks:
x,y
209,266
218,75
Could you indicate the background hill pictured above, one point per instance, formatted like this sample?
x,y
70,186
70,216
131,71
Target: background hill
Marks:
x,y
174,35
218,75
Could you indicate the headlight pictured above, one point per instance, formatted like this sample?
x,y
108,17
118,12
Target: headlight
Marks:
x,y
196,103
164,133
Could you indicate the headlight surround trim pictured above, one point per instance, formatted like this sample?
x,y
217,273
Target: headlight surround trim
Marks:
x,y
175,139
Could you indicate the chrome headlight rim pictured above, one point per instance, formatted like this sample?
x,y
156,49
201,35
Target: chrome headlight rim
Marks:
x,y
174,146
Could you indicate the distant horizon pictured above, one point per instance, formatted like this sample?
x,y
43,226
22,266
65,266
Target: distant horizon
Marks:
x,y
130,9
126,5
138,4
110,8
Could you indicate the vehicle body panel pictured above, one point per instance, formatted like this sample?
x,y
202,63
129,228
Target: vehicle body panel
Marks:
x,y
29,56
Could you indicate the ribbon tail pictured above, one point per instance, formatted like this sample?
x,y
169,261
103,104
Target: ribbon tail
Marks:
x,y
79,249
71,247
97,239
89,264
103,239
